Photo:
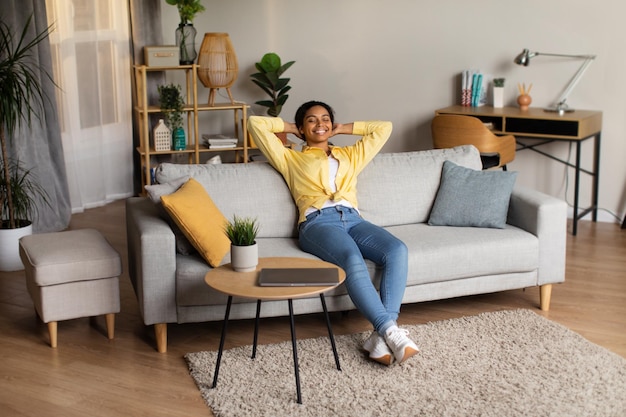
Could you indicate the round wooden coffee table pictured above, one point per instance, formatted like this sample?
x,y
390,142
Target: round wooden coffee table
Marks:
x,y
245,284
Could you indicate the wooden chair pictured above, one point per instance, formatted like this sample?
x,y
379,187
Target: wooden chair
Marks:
x,y
454,130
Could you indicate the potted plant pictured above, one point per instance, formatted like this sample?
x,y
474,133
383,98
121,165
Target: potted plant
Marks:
x,y
186,33
268,78
498,92
172,104
21,97
242,233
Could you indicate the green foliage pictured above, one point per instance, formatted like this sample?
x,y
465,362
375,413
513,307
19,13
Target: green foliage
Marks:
x,y
187,9
23,190
172,103
498,82
268,79
21,97
242,231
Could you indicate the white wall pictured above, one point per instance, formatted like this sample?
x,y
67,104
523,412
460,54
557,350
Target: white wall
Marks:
x,y
400,59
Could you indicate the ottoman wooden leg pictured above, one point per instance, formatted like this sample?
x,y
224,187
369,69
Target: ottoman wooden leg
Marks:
x,y
52,330
110,322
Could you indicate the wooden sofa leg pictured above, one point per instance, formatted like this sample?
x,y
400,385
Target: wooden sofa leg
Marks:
x,y
52,331
160,333
110,323
545,292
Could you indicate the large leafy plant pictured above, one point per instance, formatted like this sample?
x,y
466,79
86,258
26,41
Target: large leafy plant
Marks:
x,y
21,97
268,78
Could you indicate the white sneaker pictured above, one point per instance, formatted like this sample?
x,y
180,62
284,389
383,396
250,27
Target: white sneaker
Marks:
x,y
378,349
403,347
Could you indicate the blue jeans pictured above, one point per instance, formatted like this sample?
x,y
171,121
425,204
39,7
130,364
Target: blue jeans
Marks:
x,y
341,236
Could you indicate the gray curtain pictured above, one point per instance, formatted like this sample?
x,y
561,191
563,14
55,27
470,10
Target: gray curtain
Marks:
x,y
145,29
40,148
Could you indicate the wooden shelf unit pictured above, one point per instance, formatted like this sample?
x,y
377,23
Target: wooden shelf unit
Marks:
x,y
192,108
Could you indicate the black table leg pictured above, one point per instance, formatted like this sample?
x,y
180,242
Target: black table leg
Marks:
x,y
256,328
219,353
295,351
330,332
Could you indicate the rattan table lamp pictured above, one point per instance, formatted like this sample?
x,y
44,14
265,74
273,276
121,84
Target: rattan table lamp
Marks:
x,y
217,64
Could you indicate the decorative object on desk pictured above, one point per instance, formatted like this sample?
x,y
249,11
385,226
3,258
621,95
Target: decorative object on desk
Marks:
x,y
218,66
186,33
172,102
524,99
244,252
560,107
162,137
474,88
498,92
22,96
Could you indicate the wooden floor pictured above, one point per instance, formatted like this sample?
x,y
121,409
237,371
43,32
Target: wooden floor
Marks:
x,y
88,375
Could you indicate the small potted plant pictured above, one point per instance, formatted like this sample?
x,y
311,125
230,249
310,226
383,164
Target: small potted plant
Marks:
x,y
498,92
242,233
172,103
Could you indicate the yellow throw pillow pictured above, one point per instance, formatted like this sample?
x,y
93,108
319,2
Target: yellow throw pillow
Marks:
x,y
200,220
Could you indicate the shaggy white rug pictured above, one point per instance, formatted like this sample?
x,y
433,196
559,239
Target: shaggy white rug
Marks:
x,y
507,363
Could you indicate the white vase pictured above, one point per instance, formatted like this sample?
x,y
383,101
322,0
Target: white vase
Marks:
x,y
244,258
498,97
9,247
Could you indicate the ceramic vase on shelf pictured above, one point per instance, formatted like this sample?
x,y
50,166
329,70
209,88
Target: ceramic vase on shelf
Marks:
x,y
186,42
244,258
178,138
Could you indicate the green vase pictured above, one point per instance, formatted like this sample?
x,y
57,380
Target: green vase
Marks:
x,y
179,139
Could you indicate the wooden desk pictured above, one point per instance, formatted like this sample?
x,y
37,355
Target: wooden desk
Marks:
x,y
545,127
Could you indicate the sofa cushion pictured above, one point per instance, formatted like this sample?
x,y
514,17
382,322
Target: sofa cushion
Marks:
x,y
200,220
248,190
400,188
155,192
468,197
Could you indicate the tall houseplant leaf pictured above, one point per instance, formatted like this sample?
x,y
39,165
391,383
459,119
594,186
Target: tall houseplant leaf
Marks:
x,y
21,97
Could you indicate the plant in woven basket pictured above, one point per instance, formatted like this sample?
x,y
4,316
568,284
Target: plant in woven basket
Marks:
x,y
242,231
268,78
172,103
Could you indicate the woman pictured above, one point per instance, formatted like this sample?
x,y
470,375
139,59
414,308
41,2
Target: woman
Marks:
x,y
322,179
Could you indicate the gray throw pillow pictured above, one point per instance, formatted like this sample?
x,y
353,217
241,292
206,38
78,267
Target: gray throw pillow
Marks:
x,y
155,191
472,198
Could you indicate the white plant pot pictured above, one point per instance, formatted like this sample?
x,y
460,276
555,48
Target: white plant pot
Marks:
x,y
244,258
10,249
498,97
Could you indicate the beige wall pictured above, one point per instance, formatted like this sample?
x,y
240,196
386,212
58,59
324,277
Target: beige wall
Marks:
x,y
400,59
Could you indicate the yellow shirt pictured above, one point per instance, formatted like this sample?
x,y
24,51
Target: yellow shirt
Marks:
x,y
306,172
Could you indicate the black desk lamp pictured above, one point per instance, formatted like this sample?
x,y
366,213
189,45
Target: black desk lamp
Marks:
x,y
561,107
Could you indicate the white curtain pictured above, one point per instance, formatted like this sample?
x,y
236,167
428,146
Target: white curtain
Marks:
x,y
92,66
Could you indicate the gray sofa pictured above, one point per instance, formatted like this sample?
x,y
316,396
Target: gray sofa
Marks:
x,y
396,191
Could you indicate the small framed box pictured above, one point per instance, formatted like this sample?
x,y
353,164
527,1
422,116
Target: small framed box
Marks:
x,y
161,56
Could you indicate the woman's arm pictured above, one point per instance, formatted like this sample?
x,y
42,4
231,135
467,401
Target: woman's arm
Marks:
x,y
263,131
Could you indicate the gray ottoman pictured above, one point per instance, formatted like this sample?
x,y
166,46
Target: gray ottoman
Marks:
x,y
72,274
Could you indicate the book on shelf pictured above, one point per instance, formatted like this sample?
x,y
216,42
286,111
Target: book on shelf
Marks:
x,y
219,141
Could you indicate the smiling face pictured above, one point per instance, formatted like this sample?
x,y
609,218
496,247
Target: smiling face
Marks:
x,y
317,126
